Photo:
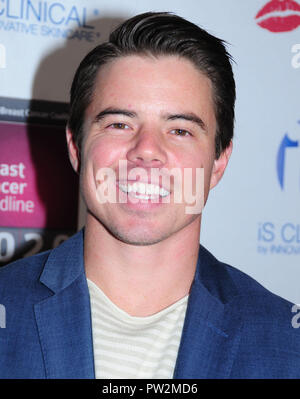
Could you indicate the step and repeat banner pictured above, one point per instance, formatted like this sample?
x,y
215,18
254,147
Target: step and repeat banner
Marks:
x,y
251,220
38,188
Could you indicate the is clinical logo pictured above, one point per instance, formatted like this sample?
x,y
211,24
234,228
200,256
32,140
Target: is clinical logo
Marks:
x,y
48,18
274,237
285,145
56,13
279,16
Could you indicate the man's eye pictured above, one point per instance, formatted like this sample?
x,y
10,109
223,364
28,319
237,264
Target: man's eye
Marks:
x,y
180,132
119,126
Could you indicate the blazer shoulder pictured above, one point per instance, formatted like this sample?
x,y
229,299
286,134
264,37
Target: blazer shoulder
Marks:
x,y
224,281
232,285
269,322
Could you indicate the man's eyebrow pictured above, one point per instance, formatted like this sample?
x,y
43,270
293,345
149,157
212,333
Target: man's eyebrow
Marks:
x,y
188,117
114,111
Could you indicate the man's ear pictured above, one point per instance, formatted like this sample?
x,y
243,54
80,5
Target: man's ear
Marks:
x,y
73,150
220,166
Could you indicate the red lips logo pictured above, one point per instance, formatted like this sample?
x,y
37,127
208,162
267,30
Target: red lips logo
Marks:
x,y
279,16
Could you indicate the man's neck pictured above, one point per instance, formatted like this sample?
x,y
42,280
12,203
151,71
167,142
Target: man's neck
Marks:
x,y
141,280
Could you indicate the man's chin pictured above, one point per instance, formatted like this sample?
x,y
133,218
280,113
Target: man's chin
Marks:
x,y
140,231
141,238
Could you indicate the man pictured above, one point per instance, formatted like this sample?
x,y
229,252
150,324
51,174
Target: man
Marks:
x,y
133,295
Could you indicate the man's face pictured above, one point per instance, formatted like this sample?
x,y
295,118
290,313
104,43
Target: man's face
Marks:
x,y
151,113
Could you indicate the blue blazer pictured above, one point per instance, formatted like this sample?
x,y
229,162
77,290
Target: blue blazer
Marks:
x,y
234,328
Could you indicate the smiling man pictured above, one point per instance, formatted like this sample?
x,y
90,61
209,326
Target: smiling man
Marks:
x,y
134,295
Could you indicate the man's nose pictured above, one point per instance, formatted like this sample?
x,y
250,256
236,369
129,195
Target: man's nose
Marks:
x,y
148,149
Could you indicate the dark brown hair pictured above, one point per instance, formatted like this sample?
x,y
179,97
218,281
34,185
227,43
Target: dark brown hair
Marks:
x,y
160,34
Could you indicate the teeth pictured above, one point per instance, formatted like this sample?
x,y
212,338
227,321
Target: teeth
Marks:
x,y
163,192
141,188
146,190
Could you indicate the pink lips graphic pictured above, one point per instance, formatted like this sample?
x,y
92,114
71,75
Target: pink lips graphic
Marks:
x,y
287,21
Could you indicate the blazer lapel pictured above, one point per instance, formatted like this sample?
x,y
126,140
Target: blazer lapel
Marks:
x,y
210,336
63,319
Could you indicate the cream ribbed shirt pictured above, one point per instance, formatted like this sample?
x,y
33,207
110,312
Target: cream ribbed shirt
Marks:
x,y
134,347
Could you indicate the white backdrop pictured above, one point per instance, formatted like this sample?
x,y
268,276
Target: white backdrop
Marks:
x,y
252,219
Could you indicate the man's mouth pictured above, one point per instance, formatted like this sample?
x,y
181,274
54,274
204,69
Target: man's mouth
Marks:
x,y
279,16
143,190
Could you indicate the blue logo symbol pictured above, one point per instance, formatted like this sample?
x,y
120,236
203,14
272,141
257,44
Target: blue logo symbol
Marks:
x,y
285,143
